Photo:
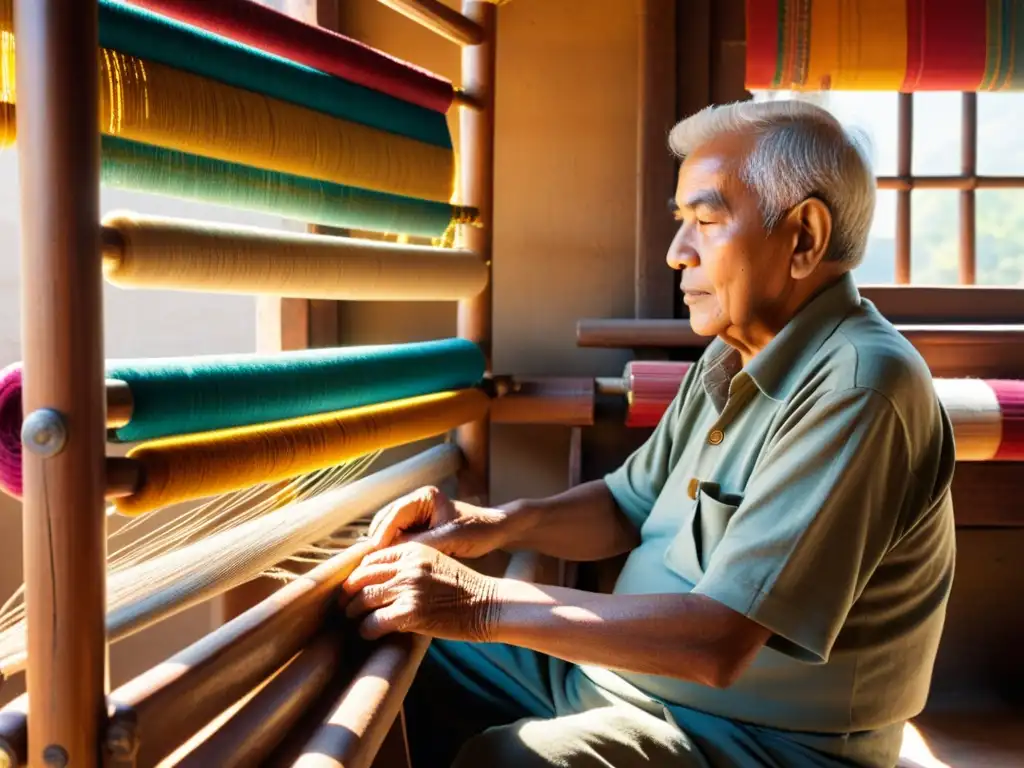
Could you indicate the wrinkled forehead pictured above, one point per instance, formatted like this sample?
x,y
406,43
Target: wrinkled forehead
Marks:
x,y
712,171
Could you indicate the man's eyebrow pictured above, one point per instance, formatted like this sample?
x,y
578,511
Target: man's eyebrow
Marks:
x,y
709,198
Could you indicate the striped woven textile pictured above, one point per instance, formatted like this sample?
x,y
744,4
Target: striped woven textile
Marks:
x,y
885,45
987,414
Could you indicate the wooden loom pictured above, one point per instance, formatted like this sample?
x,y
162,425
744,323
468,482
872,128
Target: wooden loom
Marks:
x,y
280,649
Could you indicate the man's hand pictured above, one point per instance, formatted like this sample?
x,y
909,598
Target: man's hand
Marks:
x,y
414,588
429,517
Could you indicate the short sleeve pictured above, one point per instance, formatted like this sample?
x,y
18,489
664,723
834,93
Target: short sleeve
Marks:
x,y
636,484
817,516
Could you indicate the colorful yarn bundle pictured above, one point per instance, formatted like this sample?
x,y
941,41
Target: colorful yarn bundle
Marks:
x,y
650,387
180,469
268,30
176,254
987,414
10,430
883,45
187,396
144,100
148,36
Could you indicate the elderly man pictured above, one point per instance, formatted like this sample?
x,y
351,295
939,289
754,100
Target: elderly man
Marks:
x,y
789,523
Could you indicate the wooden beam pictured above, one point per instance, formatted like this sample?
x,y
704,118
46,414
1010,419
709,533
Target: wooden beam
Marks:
x,y
656,168
476,176
63,395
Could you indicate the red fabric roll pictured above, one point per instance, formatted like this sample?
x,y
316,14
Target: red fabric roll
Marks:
x,y
273,32
947,45
651,386
1010,396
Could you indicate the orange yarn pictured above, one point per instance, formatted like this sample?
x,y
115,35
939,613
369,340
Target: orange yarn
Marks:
x,y
196,466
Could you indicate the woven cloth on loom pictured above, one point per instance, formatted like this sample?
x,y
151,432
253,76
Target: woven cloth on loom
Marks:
x,y
182,469
137,32
885,45
178,254
174,396
148,102
274,32
987,414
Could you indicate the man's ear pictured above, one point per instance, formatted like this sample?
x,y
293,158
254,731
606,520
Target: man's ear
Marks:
x,y
814,232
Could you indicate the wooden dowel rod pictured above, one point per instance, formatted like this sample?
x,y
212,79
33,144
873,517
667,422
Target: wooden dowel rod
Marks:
x,y
363,715
62,338
904,167
636,334
262,723
440,19
968,168
476,177
124,476
963,183
562,401
162,708
463,98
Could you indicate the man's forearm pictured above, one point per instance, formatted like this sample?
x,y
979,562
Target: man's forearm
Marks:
x,y
687,637
582,524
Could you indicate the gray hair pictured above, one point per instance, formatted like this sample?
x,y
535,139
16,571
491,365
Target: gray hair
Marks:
x,y
801,150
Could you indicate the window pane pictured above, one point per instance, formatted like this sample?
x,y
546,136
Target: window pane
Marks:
x,y
879,265
1000,237
872,112
934,237
938,117
1000,149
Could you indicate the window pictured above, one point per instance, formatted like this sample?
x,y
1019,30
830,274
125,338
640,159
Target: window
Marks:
x,y
950,170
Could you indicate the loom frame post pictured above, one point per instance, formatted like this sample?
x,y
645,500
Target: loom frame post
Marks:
x,y
476,185
62,338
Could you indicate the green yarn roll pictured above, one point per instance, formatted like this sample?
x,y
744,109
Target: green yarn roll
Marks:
x,y
177,396
146,168
146,35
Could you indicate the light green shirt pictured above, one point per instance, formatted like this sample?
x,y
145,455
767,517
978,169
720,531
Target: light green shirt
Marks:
x,y
809,491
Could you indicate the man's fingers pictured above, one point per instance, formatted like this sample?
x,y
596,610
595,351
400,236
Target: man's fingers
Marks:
x,y
410,511
371,597
367,574
384,621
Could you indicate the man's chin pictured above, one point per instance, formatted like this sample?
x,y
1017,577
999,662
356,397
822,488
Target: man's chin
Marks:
x,y
702,327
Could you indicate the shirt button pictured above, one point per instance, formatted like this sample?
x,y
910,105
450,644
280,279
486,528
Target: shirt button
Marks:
x,y
716,436
692,488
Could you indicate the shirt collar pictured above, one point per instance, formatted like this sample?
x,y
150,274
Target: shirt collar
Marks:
x,y
777,368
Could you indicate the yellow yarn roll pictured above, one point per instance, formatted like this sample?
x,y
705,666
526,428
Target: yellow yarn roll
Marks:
x,y
196,256
186,468
155,104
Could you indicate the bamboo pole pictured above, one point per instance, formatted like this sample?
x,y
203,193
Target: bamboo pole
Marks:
x,y
476,177
62,339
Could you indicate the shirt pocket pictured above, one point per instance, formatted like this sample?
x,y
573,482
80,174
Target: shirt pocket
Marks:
x,y
702,530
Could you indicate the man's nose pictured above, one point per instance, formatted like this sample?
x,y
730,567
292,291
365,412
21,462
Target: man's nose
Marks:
x,y
680,253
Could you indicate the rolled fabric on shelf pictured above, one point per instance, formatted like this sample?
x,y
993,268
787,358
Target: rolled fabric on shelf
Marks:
x,y
987,414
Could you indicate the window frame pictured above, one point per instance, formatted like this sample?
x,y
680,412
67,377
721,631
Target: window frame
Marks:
x,y
967,183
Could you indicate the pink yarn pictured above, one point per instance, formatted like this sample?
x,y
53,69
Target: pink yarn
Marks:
x,y
10,430
1010,395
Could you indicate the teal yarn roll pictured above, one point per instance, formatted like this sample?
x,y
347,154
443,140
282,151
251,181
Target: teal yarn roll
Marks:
x,y
147,168
177,396
146,35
